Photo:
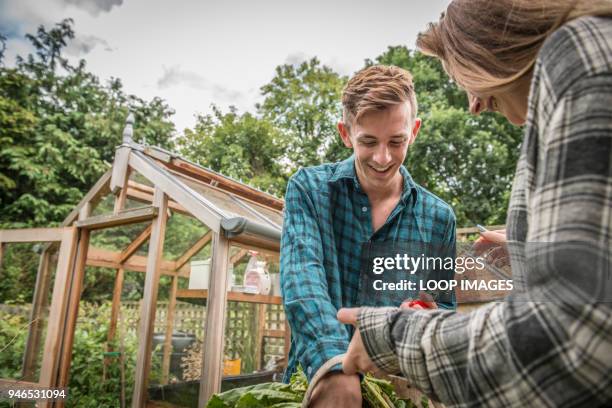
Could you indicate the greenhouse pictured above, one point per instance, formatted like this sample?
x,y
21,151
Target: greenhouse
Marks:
x,y
219,274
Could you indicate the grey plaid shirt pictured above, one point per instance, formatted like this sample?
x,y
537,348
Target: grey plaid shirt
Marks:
x,y
550,343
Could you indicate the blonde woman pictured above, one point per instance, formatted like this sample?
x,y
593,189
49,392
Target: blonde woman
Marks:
x,y
545,64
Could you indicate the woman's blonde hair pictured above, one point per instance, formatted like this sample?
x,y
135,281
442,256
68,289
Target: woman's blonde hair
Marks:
x,y
486,45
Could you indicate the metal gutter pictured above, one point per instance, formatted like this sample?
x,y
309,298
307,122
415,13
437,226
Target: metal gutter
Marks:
x,y
240,225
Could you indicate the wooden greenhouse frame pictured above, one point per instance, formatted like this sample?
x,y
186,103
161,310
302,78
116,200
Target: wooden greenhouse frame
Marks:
x,y
253,222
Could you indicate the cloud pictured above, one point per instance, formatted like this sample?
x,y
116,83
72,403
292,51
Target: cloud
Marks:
x,y
24,16
18,18
84,44
175,76
222,93
296,58
95,7
339,66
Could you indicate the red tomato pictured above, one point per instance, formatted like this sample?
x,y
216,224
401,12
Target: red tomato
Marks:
x,y
411,303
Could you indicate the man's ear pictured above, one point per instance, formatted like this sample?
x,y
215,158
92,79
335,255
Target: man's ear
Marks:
x,y
345,135
415,130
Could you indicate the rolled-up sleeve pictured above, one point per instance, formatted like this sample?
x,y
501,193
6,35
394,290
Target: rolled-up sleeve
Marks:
x,y
317,334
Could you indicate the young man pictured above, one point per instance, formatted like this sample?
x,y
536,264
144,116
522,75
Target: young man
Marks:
x,y
339,216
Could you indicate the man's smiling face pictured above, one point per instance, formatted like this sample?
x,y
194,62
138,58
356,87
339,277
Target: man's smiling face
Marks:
x,y
380,140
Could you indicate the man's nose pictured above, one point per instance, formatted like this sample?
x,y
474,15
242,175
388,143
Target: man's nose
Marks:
x,y
476,104
382,156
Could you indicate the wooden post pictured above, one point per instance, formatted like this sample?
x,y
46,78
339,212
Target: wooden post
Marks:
x,y
41,294
74,299
120,169
259,335
169,331
201,243
122,197
116,303
31,235
57,311
116,306
212,359
147,314
238,256
135,245
118,287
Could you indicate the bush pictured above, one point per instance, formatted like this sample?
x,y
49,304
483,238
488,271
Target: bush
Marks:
x,y
13,334
87,388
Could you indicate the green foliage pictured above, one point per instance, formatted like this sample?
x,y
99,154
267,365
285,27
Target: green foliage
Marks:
x,y
58,131
13,333
18,270
376,393
304,101
240,341
243,147
59,128
295,126
87,387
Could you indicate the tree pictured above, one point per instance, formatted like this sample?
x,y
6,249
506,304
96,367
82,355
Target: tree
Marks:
x,y
243,147
304,102
59,127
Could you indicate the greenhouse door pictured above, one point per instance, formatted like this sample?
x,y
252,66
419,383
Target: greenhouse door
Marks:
x,y
67,238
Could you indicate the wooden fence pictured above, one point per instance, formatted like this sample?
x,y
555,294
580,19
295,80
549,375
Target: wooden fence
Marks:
x,y
241,334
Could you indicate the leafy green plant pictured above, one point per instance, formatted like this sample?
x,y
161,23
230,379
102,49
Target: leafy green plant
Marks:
x,y
87,386
13,333
376,393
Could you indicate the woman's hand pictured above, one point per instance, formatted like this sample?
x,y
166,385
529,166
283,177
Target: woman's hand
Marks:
x,y
356,359
423,302
494,244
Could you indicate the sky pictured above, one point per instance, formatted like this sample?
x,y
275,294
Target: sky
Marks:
x,y
194,53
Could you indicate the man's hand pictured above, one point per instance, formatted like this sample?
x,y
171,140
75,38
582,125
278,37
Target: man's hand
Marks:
x,y
356,358
337,390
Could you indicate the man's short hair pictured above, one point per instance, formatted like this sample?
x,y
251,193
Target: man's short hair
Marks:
x,y
376,88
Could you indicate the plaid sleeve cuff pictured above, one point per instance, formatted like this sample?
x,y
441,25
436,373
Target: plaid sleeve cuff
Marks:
x,y
314,357
375,330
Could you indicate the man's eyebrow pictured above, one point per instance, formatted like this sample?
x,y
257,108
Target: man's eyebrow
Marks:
x,y
402,135
365,136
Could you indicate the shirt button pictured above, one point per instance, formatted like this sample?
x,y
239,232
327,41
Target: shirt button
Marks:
x,y
309,371
364,209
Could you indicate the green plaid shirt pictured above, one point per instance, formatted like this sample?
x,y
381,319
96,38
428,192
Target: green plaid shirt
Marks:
x,y
326,222
550,344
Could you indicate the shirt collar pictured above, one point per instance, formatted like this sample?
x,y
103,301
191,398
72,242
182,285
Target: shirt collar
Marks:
x,y
346,171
